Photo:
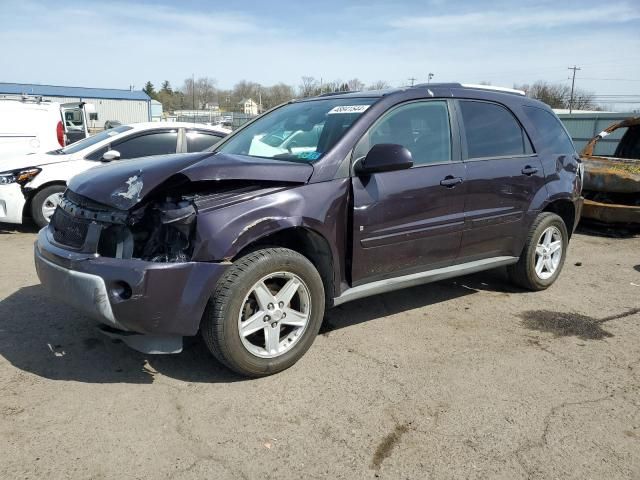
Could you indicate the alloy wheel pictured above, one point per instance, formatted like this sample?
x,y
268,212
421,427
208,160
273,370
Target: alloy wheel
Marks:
x,y
274,314
548,253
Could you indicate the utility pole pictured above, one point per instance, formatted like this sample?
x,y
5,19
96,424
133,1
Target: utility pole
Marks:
x,y
573,82
429,77
193,91
412,80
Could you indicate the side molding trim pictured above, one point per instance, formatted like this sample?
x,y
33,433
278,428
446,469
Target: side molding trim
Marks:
x,y
396,283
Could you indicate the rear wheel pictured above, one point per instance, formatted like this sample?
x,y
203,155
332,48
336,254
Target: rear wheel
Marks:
x,y
265,312
543,255
44,203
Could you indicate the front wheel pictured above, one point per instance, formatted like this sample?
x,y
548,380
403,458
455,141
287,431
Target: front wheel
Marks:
x,y
44,203
543,255
265,312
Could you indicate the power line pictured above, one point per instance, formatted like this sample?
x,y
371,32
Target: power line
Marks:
x,y
412,80
611,79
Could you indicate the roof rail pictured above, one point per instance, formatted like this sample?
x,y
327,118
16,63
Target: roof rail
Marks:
x,y
437,85
331,94
497,89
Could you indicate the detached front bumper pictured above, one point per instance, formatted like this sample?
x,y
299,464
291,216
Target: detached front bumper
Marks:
x,y
12,202
129,296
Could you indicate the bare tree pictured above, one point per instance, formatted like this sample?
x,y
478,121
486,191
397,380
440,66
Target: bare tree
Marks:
x,y
277,94
355,85
333,86
246,89
197,94
557,95
378,85
206,92
309,87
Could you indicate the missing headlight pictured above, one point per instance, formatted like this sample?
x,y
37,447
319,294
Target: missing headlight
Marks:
x,y
165,231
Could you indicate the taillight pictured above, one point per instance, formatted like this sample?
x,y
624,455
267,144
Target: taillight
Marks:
x,y
60,133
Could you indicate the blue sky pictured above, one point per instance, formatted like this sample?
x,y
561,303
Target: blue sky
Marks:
x,y
115,43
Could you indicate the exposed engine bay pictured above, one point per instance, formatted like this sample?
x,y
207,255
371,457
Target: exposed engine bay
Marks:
x,y
158,232
161,229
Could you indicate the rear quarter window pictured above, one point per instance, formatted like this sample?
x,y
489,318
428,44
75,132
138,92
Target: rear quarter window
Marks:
x,y
198,141
492,131
551,132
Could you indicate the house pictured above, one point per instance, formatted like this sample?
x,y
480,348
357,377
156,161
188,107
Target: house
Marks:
x,y
249,107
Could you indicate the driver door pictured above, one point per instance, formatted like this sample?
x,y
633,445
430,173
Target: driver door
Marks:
x,y
411,220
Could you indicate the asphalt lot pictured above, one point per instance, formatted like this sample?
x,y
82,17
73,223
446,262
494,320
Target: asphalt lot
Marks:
x,y
468,378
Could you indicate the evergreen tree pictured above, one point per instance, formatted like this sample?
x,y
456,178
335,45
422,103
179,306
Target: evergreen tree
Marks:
x,y
149,89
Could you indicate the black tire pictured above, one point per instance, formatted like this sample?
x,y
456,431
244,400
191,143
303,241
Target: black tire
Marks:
x,y
37,203
523,273
219,326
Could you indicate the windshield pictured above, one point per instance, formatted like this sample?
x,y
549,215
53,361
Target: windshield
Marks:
x,y
89,141
300,132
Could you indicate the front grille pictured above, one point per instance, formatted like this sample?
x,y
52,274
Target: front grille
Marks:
x,y
69,230
86,203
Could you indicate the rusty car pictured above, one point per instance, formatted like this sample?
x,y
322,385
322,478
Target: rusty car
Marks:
x,y
612,183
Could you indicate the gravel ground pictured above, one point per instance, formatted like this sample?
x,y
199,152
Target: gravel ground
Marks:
x,y
468,378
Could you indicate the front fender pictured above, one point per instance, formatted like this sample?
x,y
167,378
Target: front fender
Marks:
x,y
322,207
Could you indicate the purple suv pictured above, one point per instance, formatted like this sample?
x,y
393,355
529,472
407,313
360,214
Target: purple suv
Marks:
x,y
313,204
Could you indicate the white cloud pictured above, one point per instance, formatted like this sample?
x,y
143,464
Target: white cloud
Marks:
x,y
115,45
530,18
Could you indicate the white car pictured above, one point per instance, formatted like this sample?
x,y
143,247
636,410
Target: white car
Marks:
x,y
32,185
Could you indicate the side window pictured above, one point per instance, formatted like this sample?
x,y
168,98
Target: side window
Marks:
x,y
551,132
421,127
159,143
198,141
492,131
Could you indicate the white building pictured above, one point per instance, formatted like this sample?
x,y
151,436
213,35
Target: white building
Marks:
x,y
156,111
249,107
126,106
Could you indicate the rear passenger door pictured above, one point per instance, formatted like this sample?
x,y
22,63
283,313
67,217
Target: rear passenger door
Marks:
x,y
200,140
503,176
408,221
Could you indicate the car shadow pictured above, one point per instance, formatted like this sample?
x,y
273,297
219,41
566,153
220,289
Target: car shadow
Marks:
x,y
597,229
12,228
48,339
377,306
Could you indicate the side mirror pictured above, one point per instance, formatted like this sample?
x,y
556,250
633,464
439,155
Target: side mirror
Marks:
x,y
110,155
384,157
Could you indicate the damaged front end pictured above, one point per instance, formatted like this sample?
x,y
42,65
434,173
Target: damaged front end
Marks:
x,y
159,231
129,269
128,242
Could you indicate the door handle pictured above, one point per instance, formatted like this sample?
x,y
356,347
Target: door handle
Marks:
x,y
529,170
450,181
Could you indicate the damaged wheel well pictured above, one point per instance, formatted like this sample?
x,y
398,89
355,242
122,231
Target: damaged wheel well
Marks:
x,y
566,210
306,242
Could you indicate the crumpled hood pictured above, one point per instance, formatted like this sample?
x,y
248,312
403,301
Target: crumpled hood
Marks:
x,y
124,183
15,161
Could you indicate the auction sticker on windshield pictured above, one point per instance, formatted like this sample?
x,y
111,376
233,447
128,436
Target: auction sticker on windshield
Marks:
x,y
348,109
